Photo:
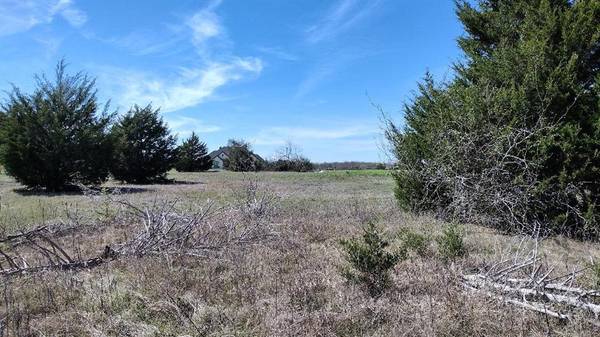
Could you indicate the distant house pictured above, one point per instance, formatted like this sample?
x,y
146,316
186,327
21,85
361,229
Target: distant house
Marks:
x,y
222,154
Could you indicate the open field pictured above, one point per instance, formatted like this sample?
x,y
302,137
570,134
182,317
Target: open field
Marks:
x,y
283,280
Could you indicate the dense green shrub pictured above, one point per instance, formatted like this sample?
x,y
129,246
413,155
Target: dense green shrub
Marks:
x,y
192,156
56,137
241,158
451,243
370,262
412,241
513,139
144,147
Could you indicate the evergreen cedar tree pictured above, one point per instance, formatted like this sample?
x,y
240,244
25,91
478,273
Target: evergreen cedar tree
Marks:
x,y
55,137
192,156
144,149
528,88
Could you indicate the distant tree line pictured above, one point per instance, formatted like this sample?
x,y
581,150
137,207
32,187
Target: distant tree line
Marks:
x,y
350,165
513,139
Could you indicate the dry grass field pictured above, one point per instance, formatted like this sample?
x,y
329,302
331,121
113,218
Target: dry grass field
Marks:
x,y
267,262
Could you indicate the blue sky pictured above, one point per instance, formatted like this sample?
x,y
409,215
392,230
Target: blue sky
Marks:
x,y
268,71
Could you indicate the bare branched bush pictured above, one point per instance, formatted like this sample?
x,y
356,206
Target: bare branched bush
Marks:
x,y
159,228
165,230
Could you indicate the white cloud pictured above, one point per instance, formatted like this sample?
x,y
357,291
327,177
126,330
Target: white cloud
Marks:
x,y
280,135
21,15
184,126
191,85
341,17
189,88
205,25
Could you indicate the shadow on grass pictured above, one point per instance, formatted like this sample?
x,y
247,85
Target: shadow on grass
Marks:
x,y
75,190
124,188
177,182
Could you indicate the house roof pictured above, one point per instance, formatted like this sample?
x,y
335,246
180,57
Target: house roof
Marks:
x,y
225,150
222,149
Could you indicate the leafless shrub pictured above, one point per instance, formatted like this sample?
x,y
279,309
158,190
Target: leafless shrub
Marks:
x,y
164,230
160,229
254,202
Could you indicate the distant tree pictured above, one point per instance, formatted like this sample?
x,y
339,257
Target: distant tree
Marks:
x,y
192,156
144,147
289,158
241,158
56,137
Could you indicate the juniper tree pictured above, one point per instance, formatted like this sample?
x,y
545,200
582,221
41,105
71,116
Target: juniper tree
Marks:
x,y
144,147
192,156
56,136
513,140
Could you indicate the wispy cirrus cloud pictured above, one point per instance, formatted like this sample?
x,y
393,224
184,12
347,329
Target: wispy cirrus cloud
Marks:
x,y
341,17
186,88
278,52
326,68
21,15
183,126
144,42
189,85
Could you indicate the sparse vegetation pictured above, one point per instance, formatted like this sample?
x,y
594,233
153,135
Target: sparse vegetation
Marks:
x,y
280,275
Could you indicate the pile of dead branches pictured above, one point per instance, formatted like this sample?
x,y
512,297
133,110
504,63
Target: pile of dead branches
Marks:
x,y
526,280
157,228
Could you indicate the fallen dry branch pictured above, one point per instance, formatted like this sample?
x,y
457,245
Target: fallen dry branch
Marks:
x,y
84,264
529,306
523,280
534,296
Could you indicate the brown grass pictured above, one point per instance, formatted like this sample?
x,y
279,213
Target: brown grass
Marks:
x,y
289,285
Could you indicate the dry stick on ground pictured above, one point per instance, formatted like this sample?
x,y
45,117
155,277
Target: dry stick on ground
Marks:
x,y
536,291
